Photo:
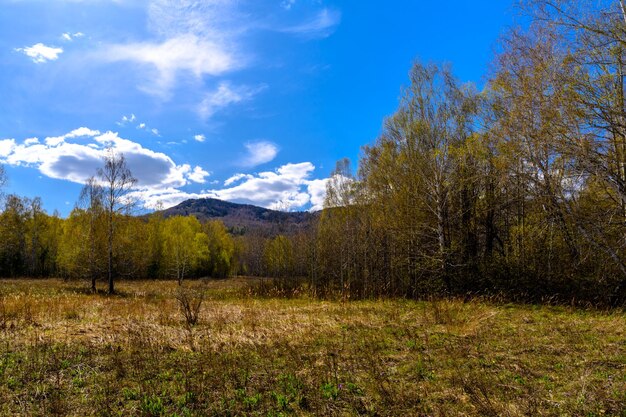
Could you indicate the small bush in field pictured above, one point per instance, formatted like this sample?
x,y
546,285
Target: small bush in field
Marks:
x,y
190,302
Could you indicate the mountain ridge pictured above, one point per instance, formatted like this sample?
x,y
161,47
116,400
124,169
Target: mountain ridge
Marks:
x,y
244,218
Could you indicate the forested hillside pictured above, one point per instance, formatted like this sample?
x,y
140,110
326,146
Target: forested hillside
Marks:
x,y
241,219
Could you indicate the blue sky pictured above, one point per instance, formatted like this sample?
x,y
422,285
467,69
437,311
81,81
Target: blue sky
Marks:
x,y
249,101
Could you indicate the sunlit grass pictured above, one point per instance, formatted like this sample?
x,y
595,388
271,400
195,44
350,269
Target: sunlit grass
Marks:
x,y
64,351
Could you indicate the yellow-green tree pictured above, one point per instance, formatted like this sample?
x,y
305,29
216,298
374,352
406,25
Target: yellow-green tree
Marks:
x,y
278,257
185,246
82,247
13,229
220,262
154,230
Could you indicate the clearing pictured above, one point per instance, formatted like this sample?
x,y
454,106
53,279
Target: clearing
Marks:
x,y
64,351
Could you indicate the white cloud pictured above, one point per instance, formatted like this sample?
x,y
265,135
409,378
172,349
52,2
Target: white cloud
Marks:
x,y
215,19
317,191
41,53
198,175
68,36
224,96
193,41
129,119
6,148
321,26
235,178
81,131
31,141
141,126
76,133
199,138
185,53
287,188
259,152
76,156
190,37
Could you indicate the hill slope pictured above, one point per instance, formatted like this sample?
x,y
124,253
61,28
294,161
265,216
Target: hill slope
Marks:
x,y
243,218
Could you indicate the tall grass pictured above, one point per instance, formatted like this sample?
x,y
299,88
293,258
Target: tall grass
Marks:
x,y
74,353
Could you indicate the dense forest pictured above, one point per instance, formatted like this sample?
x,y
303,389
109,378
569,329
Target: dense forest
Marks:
x,y
518,190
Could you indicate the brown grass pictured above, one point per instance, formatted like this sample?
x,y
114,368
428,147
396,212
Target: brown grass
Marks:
x,y
64,351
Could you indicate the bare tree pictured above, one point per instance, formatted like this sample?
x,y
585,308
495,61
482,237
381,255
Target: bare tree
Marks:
x,y
3,179
117,181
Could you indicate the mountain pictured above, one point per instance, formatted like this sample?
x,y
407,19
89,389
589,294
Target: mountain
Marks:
x,y
244,218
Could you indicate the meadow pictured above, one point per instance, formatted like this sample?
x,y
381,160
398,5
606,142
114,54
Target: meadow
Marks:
x,y
65,351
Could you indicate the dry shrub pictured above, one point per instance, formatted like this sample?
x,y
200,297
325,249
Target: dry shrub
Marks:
x,y
190,302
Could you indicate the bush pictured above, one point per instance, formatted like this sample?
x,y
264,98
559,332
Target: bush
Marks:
x,y
190,301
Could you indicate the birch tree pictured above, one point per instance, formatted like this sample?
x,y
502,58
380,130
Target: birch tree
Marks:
x,y
117,182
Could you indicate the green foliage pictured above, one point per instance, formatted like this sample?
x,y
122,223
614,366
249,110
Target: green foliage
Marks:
x,y
220,257
152,406
184,245
278,257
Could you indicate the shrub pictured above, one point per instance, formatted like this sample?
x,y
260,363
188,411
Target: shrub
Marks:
x,y
190,301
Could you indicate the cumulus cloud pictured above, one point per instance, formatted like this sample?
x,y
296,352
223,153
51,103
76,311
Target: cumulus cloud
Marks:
x,y
287,188
284,188
320,26
76,133
259,152
237,177
317,191
81,131
41,53
223,96
199,138
198,175
75,156
6,148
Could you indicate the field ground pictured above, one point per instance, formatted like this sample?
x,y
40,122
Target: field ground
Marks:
x,y
64,351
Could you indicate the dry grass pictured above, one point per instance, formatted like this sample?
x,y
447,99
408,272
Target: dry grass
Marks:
x,y
64,351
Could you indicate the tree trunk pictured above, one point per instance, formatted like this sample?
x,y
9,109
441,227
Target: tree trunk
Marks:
x,y
441,232
110,250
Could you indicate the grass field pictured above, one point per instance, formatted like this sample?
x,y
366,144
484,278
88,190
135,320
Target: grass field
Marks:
x,y
64,351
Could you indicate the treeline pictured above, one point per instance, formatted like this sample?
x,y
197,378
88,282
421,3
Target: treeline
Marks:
x,y
36,244
518,189
101,240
